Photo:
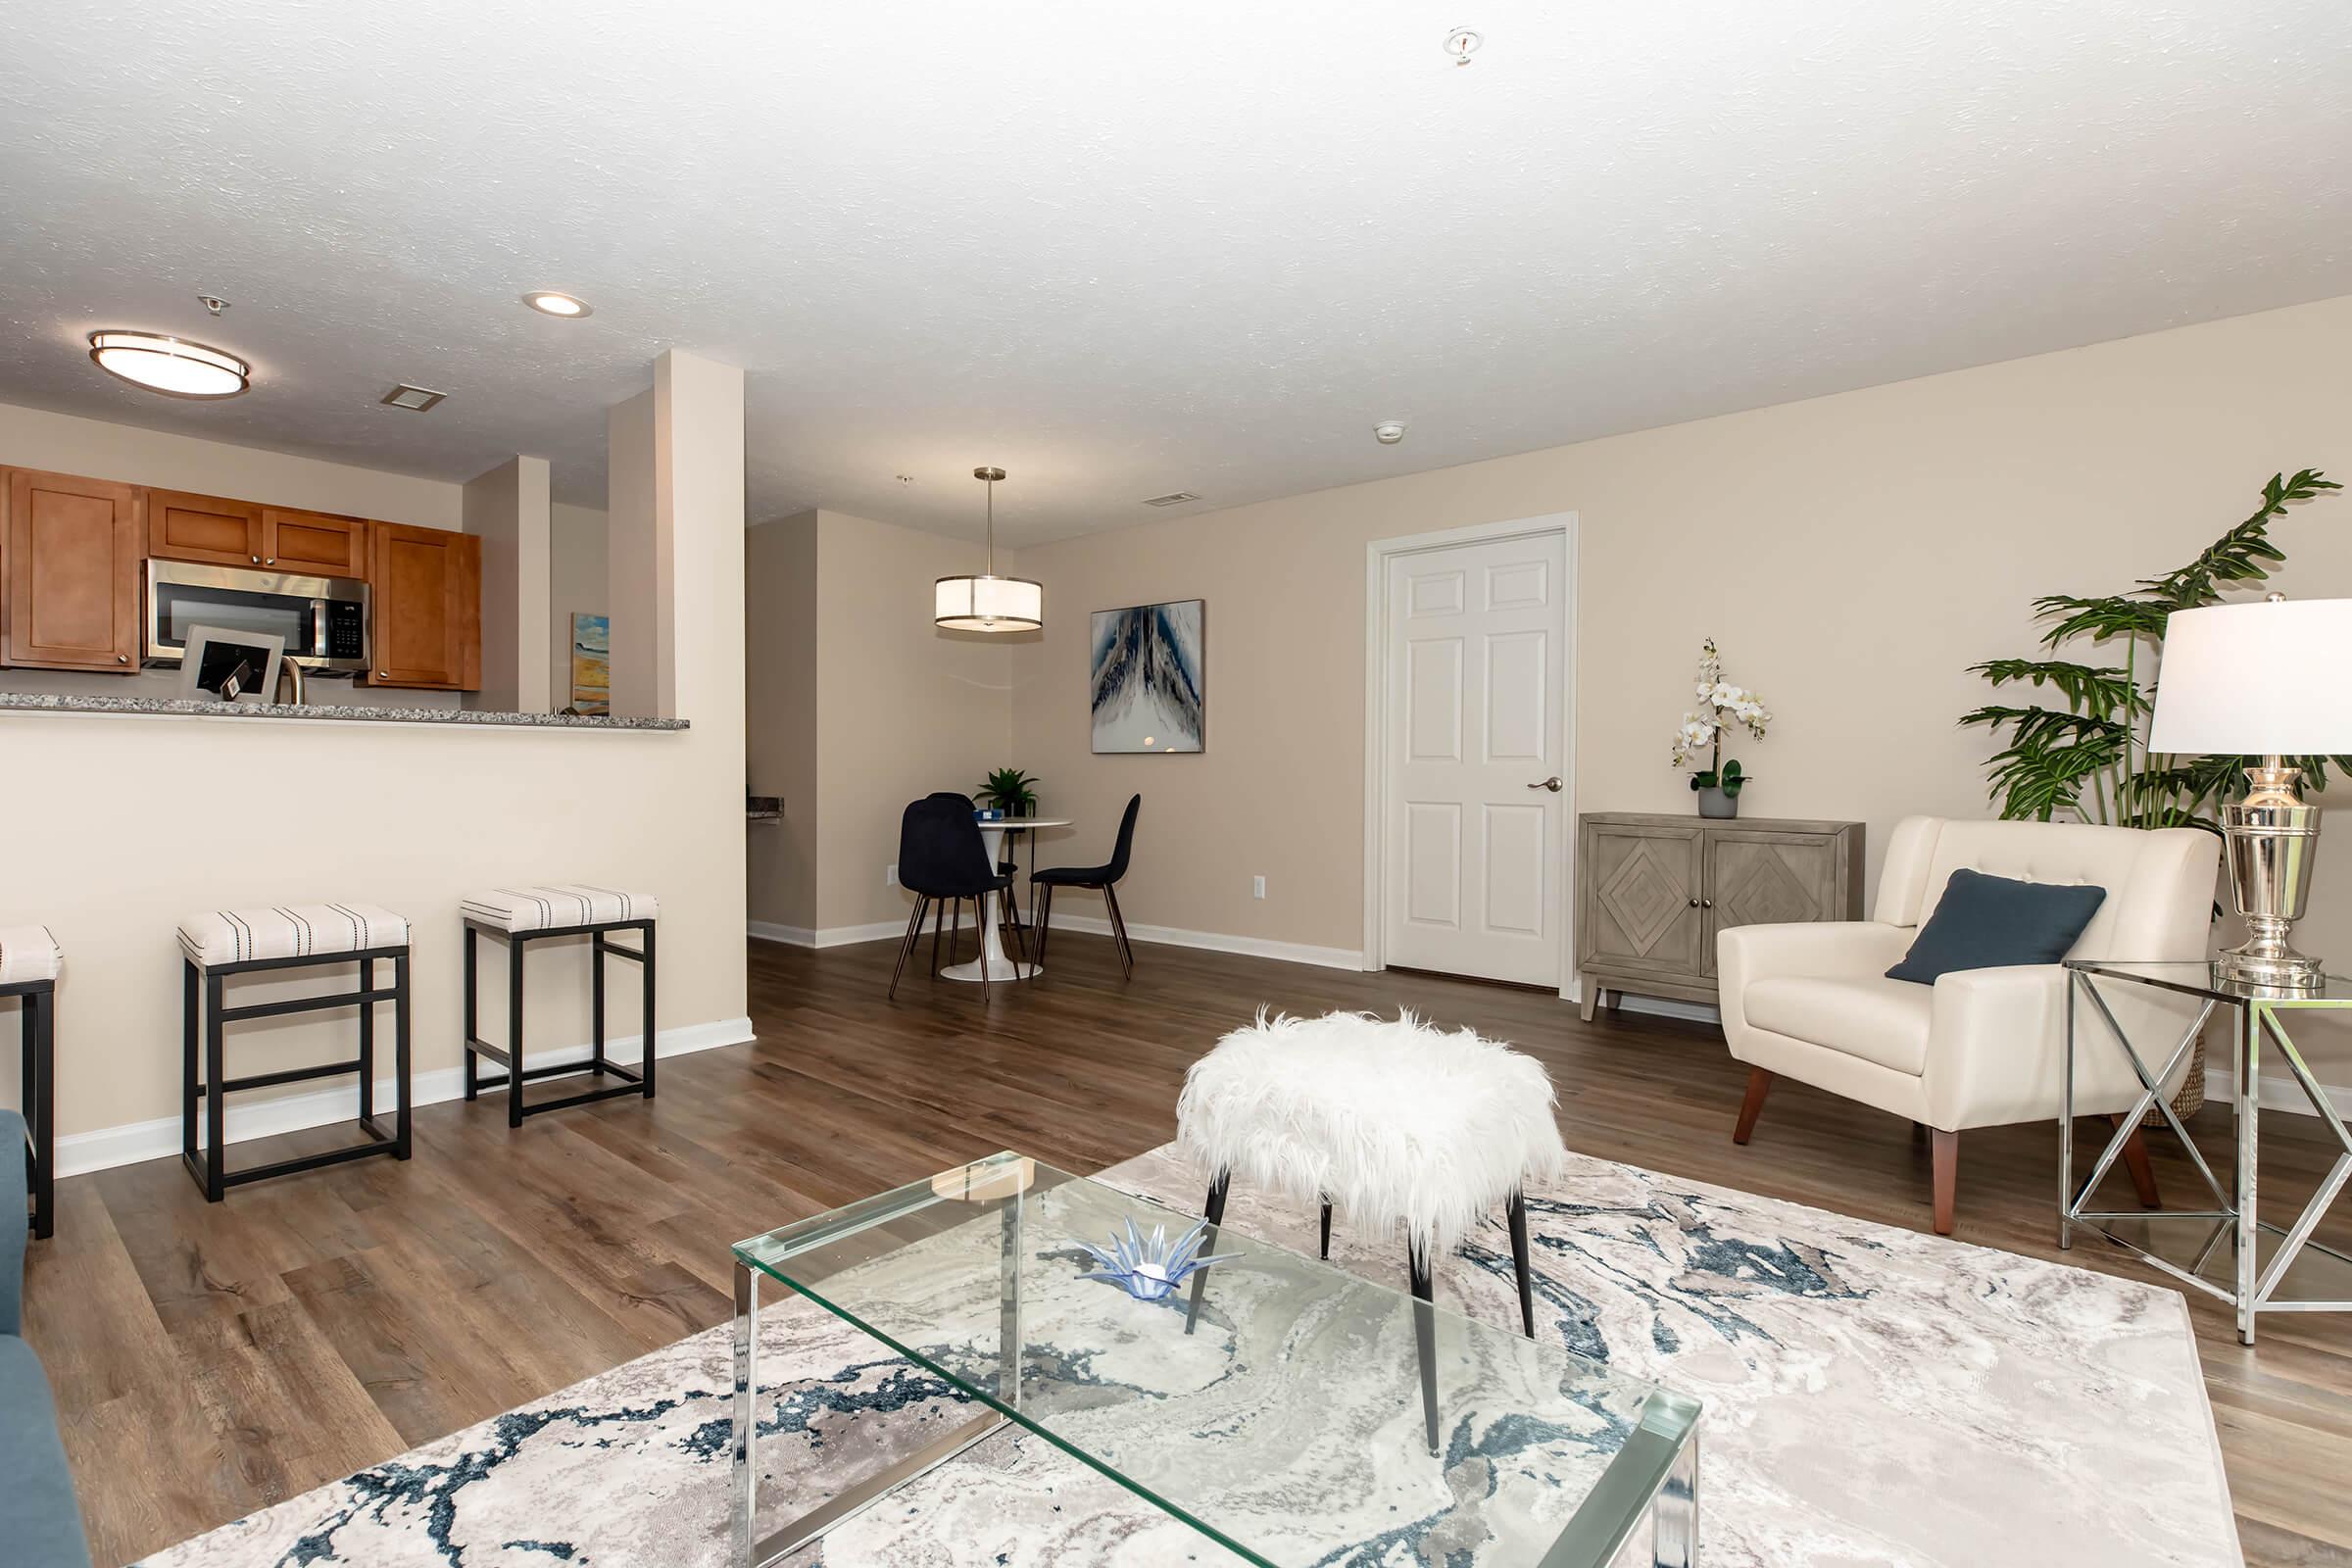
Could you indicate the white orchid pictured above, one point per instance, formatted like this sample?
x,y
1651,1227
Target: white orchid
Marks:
x,y
1721,704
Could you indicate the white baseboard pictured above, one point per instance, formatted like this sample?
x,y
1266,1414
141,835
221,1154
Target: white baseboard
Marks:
x,y
838,935
2277,1093
1218,942
126,1145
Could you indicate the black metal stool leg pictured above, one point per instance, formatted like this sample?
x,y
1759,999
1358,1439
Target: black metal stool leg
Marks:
x,y
40,1106
596,1000
189,1004
1425,1337
653,1033
1214,1213
368,1044
1327,1230
514,946
215,1108
473,1025
914,931
1517,1214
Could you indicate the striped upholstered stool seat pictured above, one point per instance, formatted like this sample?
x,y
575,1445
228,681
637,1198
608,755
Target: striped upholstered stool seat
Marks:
x,y
558,905
289,931
29,952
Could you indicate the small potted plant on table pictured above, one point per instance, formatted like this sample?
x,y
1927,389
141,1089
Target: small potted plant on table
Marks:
x,y
1011,791
1721,706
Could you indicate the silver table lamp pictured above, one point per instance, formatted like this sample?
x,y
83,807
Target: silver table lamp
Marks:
x,y
2268,680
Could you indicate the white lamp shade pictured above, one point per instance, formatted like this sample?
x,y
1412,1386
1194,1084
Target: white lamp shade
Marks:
x,y
988,604
2242,680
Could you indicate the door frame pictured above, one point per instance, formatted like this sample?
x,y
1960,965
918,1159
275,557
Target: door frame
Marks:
x,y
1378,554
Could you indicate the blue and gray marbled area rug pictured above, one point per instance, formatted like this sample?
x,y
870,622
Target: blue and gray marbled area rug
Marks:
x,y
1873,1397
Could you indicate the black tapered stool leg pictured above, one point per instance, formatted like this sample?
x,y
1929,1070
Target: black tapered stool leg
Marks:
x,y
1425,1338
1214,1213
1041,905
939,918
1327,1230
1516,1211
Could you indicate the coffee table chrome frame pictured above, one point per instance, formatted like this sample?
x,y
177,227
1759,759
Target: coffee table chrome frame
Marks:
x,y
751,1549
1671,1481
2250,1292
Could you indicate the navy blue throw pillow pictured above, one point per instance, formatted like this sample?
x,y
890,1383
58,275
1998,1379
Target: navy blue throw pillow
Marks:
x,y
1990,922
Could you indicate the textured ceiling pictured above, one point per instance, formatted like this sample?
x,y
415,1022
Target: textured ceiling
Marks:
x,y
1124,250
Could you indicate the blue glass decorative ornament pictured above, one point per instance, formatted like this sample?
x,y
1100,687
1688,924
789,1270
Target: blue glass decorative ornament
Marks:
x,y
1148,1270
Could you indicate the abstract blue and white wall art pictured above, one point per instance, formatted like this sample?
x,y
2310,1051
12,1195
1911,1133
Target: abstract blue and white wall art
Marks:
x,y
1150,693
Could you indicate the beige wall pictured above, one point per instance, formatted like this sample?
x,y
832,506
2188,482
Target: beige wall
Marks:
x,y
575,582
858,705
779,629
507,507
1851,554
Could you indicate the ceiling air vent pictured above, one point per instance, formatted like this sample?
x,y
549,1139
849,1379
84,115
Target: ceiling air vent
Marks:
x,y
1174,498
415,399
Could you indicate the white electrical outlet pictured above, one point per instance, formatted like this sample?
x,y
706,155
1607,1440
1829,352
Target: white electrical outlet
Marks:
x,y
1257,887
890,875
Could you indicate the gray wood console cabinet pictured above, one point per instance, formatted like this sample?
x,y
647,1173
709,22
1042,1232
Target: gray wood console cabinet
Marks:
x,y
1651,891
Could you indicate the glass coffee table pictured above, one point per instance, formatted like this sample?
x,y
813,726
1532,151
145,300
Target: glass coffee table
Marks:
x,y
1275,1405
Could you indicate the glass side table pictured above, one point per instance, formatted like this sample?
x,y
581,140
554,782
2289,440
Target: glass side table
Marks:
x,y
2224,1250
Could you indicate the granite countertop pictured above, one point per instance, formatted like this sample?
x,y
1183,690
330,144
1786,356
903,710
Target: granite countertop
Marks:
x,y
182,707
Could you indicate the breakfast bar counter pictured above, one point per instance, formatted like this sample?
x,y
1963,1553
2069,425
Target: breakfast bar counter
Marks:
x,y
184,707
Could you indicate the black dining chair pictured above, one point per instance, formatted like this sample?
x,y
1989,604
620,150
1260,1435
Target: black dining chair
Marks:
x,y
1104,878
942,861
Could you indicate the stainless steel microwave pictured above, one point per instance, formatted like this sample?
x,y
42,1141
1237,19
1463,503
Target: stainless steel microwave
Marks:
x,y
324,621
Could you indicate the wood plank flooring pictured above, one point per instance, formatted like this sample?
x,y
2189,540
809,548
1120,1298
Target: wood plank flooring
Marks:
x,y
212,1359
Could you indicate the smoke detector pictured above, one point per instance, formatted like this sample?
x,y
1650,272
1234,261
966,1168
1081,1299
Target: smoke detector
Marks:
x,y
1389,432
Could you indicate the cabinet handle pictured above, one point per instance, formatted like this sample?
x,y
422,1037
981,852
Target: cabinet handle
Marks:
x,y
121,659
1695,901
1707,904
380,675
256,560
271,561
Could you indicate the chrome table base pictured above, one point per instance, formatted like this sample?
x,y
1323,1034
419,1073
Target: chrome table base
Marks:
x,y
2251,1287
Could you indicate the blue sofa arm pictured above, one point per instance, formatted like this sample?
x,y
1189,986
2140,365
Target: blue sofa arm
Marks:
x,y
12,1223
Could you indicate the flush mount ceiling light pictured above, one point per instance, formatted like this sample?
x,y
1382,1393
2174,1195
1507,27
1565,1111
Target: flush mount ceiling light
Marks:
x,y
988,603
1389,432
174,367
547,302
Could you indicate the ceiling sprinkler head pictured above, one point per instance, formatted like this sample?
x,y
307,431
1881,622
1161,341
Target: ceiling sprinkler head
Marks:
x,y
1389,432
1462,43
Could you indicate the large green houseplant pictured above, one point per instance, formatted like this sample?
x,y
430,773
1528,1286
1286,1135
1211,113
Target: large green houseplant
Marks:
x,y
2089,760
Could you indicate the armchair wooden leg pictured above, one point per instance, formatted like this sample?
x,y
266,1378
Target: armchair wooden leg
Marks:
x,y
1947,1176
1759,1084
2142,1169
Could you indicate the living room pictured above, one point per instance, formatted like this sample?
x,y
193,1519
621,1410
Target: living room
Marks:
x,y
1500,681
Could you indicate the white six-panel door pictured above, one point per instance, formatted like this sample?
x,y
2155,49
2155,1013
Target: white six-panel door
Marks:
x,y
1475,821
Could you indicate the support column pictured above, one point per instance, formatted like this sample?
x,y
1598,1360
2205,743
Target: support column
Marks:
x,y
507,509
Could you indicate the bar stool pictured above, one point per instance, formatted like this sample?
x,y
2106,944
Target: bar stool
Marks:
x,y
523,916
30,961
278,940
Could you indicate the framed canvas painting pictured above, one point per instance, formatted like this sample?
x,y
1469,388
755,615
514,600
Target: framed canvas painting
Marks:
x,y
1148,687
591,664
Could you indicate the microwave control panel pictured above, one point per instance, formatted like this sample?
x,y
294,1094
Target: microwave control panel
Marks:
x,y
346,629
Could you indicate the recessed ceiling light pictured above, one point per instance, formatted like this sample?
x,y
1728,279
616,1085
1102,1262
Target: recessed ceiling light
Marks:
x,y
1389,432
171,365
547,302
415,399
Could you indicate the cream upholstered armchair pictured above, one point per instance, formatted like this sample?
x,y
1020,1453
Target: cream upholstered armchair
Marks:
x,y
1979,1048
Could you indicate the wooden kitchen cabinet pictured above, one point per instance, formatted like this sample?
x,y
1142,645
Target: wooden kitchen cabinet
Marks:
x,y
314,544
70,552
208,528
427,588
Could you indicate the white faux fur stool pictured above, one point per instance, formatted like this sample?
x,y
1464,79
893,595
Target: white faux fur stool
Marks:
x,y
1392,1121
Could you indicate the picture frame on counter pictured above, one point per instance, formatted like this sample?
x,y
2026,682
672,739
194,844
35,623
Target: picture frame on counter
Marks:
x,y
216,654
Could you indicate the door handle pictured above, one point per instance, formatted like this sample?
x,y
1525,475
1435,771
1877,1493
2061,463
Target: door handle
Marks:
x,y
1553,784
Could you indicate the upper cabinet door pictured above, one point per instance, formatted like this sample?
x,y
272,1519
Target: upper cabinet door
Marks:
x,y
426,585
207,528
317,543
72,566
